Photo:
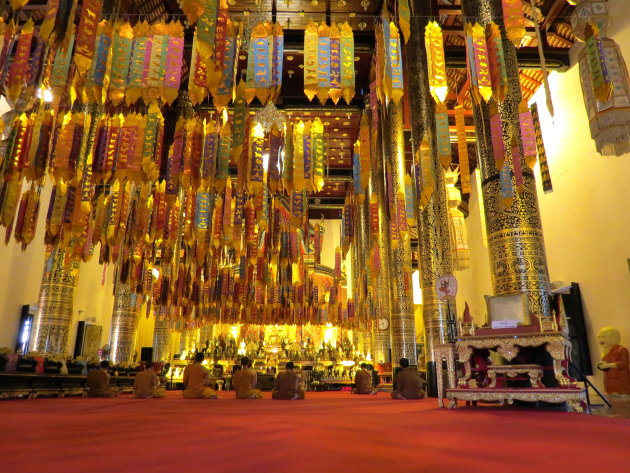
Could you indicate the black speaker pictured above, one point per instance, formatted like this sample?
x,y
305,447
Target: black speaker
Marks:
x,y
78,346
146,354
580,352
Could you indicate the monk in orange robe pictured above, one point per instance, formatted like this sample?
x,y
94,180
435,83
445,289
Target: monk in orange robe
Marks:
x,y
363,381
244,381
196,380
287,385
408,382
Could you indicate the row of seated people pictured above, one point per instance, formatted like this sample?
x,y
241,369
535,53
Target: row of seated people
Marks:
x,y
409,384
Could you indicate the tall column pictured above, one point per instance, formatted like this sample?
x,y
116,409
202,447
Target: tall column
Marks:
x,y
51,324
403,330
363,296
516,246
162,341
433,233
124,321
383,290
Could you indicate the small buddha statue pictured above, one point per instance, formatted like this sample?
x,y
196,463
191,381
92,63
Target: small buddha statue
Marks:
x,y
615,361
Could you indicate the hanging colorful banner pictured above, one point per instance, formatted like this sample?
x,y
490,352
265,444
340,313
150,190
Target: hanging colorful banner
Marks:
x,y
496,59
478,63
496,134
86,34
462,149
542,154
436,63
443,136
19,64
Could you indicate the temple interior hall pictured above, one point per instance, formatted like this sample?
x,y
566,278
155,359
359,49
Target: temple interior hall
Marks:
x,y
314,235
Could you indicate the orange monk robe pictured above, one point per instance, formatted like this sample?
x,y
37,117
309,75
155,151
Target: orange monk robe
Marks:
x,y
287,386
408,384
244,383
363,382
617,380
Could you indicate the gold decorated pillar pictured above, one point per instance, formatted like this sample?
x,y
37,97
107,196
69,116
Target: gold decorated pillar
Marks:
x,y
382,280
433,233
518,263
51,324
162,340
362,296
124,322
403,330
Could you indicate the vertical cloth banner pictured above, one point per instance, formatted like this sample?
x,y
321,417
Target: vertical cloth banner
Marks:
x,y
462,148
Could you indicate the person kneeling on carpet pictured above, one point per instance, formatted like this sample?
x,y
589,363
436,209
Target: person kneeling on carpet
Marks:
x,y
196,380
408,382
244,381
287,385
97,382
147,382
363,381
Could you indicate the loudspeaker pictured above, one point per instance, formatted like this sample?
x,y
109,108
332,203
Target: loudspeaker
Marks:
x,y
580,352
146,354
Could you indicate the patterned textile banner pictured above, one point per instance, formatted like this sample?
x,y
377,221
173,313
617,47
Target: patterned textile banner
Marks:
x,y
542,154
329,62
436,63
478,63
462,148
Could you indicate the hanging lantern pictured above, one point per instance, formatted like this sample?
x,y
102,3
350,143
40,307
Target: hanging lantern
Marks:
x,y
436,63
514,20
609,120
594,12
460,250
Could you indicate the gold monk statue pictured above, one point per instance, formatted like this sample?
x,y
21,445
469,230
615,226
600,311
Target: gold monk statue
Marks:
x,y
615,361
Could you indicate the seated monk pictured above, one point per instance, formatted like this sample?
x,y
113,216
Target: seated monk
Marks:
x,y
408,382
145,385
287,385
363,381
97,382
196,380
244,381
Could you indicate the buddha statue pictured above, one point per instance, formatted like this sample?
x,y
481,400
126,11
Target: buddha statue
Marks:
x,y
614,362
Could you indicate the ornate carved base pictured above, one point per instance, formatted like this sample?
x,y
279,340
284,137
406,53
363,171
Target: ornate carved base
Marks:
x,y
574,397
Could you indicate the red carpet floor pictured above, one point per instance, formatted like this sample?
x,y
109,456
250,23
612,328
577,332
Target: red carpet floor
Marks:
x,y
327,432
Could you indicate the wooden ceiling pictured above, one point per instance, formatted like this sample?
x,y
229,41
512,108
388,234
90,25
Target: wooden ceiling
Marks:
x,y
342,121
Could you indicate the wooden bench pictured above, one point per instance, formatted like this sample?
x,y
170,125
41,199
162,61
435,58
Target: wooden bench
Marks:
x,y
512,371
